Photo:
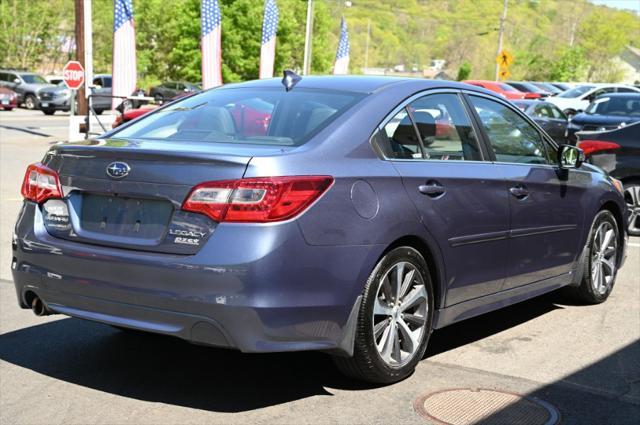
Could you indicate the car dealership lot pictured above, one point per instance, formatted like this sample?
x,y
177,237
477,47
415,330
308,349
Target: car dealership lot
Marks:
x,y
583,360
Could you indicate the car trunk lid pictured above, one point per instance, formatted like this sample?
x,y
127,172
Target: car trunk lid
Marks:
x,y
142,209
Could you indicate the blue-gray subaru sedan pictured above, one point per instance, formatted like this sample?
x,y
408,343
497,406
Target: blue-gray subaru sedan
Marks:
x,y
351,215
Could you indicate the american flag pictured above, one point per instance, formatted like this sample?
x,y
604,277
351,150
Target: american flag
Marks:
x,y
124,51
342,56
211,30
269,30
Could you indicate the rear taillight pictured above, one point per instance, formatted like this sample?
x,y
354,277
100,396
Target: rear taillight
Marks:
x,y
256,200
594,146
40,183
532,96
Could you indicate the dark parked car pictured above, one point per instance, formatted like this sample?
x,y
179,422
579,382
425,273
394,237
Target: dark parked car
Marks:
x,y
349,225
8,99
607,112
548,116
27,86
618,153
533,91
171,89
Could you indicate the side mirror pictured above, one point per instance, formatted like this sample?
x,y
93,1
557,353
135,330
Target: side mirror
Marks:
x,y
16,81
570,157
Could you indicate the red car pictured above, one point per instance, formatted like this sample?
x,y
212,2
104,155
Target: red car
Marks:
x,y
501,88
132,114
8,99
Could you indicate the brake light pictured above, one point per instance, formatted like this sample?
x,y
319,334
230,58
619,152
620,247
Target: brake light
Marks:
x,y
40,183
256,200
594,146
532,96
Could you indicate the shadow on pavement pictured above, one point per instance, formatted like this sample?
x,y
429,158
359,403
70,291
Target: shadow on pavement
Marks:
x,y
167,370
605,392
480,327
164,369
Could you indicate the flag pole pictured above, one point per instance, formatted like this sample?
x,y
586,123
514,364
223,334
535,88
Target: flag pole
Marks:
x,y
306,67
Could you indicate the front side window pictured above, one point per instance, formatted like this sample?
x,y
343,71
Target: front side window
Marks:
x,y
512,138
557,113
245,115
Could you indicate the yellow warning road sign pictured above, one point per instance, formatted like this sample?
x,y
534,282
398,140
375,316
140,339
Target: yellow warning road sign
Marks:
x,y
504,73
504,59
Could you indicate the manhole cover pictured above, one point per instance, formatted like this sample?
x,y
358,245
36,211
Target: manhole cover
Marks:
x,y
482,406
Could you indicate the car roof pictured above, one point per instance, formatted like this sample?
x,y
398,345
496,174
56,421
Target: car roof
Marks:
x,y
353,83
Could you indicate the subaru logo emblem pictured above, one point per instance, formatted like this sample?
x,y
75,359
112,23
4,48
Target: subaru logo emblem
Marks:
x,y
118,170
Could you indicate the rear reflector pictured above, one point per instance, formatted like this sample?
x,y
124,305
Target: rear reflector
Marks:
x,y
256,200
40,183
594,146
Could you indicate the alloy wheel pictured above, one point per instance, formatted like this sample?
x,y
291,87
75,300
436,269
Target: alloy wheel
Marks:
x,y
632,198
603,257
400,314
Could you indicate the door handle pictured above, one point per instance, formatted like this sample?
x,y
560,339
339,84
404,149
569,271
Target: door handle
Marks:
x,y
432,189
519,191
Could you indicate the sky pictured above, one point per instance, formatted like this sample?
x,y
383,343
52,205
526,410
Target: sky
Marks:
x,y
621,4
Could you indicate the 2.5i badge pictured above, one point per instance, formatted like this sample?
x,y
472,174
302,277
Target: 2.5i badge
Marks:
x,y
186,241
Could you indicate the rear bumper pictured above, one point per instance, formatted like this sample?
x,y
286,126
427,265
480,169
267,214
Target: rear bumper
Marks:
x,y
257,288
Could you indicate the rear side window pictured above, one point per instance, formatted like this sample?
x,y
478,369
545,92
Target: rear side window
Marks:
x,y
245,115
432,127
512,138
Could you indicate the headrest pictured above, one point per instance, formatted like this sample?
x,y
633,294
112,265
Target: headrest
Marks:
x,y
426,124
405,134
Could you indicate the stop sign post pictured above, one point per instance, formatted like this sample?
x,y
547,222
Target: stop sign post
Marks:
x,y
73,77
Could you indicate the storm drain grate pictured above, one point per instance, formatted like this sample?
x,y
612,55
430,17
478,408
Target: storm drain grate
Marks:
x,y
467,406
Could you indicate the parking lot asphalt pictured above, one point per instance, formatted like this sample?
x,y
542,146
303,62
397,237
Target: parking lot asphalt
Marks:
x,y
584,360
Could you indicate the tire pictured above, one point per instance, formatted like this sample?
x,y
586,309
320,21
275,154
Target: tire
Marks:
x,y
600,265
48,111
30,102
387,364
159,99
632,198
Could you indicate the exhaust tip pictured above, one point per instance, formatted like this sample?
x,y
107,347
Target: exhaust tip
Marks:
x,y
39,308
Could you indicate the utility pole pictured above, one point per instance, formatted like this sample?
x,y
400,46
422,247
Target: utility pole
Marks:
x,y
306,67
79,26
500,34
366,46
88,48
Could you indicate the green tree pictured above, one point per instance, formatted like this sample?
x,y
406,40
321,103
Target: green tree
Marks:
x,y
464,71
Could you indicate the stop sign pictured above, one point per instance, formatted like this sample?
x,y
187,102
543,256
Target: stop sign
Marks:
x,y
73,75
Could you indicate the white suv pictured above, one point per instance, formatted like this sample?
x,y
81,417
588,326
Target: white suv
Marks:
x,y
578,98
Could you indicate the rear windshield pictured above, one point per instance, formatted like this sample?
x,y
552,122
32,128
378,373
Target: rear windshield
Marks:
x,y
621,106
245,115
